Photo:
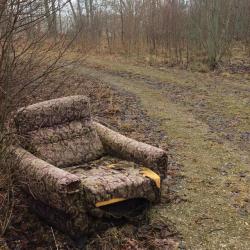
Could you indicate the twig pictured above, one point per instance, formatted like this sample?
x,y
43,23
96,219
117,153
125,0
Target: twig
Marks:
x,y
54,238
215,230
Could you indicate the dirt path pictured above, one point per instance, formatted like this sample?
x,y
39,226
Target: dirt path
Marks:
x,y
214,210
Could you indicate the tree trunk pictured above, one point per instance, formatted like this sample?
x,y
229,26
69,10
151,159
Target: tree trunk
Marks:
x,y
51,17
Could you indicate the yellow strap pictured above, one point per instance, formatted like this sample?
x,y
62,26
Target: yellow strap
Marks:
x,y
152,175
108,202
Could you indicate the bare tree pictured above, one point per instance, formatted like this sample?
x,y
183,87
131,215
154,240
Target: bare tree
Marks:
x,y
50,13
179,30
25,61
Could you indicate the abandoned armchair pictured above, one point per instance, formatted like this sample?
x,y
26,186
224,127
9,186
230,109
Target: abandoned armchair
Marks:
x,y
77,171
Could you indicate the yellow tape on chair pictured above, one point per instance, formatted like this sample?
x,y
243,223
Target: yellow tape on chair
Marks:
x,y
108,202
152,175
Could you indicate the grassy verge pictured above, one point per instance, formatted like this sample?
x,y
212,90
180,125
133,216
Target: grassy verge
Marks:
x,y
219,100
215,214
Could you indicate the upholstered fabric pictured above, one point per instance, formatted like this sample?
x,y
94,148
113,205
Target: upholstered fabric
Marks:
x,y
52,112
109,178
59,131
47,183
129,149
65,145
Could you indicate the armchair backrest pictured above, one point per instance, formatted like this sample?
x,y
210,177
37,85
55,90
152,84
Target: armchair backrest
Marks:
x,y
59,131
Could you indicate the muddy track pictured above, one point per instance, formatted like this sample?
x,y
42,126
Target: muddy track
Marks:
x,y
213,212
202,101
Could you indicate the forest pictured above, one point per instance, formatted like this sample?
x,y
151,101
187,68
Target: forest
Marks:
x,y
173,75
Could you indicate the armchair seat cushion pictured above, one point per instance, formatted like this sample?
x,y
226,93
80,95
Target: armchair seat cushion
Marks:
x,y
111,178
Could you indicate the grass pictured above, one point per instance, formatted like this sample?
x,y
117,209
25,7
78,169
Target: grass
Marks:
x,y
206,220
227,97
216,181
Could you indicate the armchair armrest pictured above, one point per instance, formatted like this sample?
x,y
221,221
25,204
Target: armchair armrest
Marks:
x,y
44,181
131,149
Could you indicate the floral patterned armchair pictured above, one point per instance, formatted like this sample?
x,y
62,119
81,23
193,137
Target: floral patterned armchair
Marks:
x,y
74,169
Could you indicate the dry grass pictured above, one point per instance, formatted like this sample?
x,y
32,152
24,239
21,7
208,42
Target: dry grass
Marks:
x,y
6,190
155,235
